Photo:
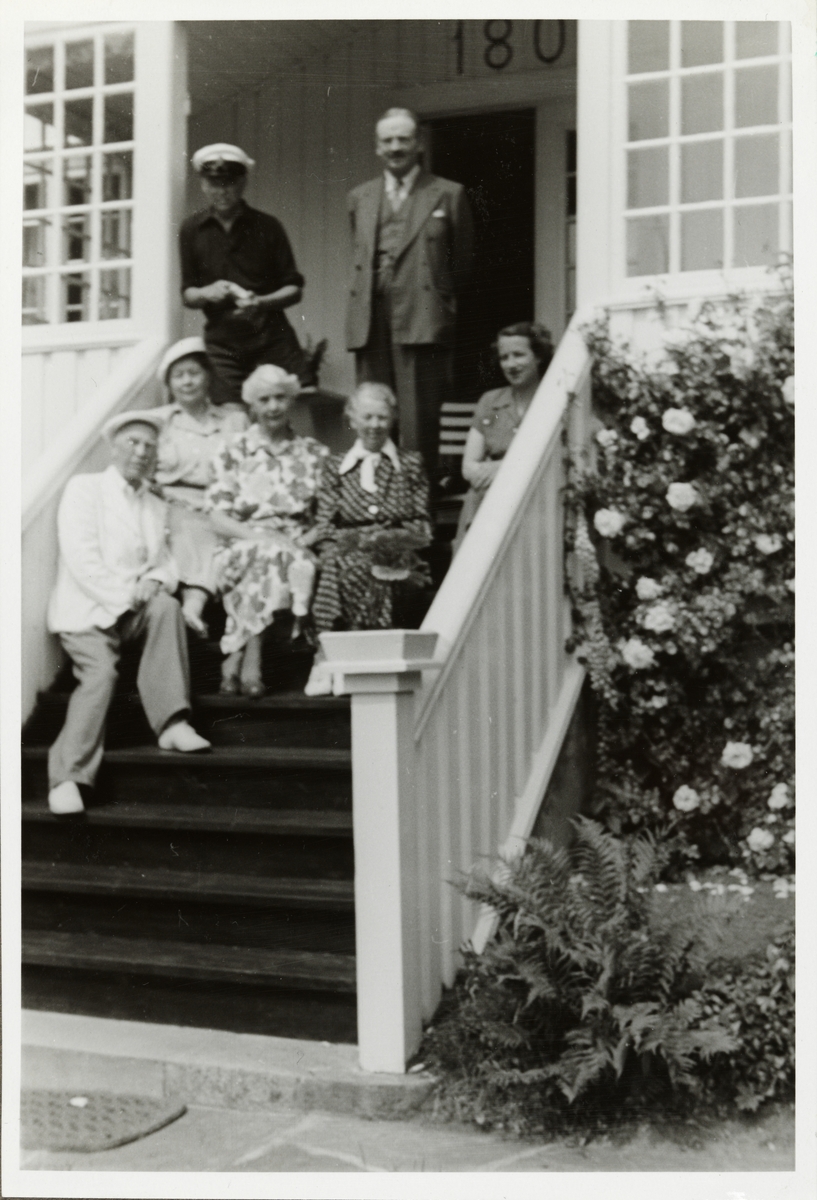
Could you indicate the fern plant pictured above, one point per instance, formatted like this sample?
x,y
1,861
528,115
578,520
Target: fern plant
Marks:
x,y
581,993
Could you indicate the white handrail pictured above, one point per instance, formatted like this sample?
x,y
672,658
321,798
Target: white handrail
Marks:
x,y
59,461
472,569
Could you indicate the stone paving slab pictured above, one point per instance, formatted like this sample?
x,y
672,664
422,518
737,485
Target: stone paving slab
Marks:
x,y
221,1140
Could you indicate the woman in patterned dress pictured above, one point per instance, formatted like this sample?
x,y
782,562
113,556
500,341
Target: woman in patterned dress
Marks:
x,y
262,501
374,487
524,351
193,432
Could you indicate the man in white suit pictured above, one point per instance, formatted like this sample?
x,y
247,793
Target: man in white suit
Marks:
x,y
115,581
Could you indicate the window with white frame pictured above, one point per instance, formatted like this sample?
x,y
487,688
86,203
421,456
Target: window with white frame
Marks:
x,y
78,178
708,145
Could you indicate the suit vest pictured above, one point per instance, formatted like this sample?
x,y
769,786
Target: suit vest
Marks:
x,y
390,228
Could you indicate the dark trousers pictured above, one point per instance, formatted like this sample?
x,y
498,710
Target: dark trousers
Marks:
x,y
420,376
163,682
232,362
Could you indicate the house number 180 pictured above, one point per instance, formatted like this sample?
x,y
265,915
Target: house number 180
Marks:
x,y
498,52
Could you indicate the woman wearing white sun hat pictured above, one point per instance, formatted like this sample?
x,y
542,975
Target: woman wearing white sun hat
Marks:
x,y
193,432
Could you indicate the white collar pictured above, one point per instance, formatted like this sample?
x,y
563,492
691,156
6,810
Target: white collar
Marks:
x,y
404,186
359,452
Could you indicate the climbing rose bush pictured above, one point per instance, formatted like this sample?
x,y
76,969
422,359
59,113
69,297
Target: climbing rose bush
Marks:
x,y
683,535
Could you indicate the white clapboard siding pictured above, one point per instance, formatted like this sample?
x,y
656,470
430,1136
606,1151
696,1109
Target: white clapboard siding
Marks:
x,y
490,724
56,385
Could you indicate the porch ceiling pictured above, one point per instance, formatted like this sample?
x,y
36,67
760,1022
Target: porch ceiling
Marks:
x,y
230,57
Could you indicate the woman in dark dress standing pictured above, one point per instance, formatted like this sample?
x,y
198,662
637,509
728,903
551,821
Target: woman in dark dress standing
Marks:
x,y
524,351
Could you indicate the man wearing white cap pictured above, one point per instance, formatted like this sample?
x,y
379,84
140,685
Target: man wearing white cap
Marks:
x,y
115,581
238,266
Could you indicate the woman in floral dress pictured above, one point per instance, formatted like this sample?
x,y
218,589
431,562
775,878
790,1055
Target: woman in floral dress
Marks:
x,y
373,514
262,501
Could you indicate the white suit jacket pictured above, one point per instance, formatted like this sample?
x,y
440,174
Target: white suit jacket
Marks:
x,y
110,537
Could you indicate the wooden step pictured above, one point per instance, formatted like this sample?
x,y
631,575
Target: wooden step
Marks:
x,y
282,719
178,885
237,776
145,814
291,969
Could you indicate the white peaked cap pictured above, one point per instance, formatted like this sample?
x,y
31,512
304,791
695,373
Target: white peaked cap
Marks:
x,y
221,152
144,416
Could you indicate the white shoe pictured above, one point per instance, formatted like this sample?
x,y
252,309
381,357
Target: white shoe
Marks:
x,y
319,682
65,798
182,736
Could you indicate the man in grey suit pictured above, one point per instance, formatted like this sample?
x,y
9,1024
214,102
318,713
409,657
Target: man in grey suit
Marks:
x,y
412,238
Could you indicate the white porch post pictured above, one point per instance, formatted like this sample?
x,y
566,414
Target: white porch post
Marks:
x,y
381,671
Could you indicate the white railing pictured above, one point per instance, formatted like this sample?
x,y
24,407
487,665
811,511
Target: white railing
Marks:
x,y
455,775
130,385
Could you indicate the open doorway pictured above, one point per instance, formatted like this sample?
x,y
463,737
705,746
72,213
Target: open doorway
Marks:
x,y
493,155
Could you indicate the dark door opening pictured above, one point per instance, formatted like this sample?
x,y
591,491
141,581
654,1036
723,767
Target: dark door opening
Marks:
x,y
493,156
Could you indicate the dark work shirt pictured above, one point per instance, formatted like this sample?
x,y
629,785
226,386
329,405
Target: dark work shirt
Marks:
x,y
255,254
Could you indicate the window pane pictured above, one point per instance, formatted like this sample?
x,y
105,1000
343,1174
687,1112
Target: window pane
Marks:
x,y
648,46
757,165
116,226
648,245
76,179
756,96
79,65
34,249
34,300
701,171
702,102
649,110
117,175
702,240
76,238
79,122
648,177
701,43
74,297
756,235
114,294
755,38
119,58
40,70
35,184
38,128
119,118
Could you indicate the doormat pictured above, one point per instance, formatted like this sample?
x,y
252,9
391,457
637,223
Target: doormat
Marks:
x,y
87,1121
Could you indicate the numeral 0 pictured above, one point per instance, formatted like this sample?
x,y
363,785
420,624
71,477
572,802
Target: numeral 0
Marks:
x,y
537,41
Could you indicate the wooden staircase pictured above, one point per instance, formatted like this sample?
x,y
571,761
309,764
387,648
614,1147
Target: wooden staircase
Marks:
x,y
214,890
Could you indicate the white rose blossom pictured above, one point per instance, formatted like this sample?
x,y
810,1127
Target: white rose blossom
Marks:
x,y
788,390
790,584
659,619
700,561
681,496
686,799
768,543
737,755
607,438
608,522
779,796
678,420
788,838
648,589
760,839
636,654
640,428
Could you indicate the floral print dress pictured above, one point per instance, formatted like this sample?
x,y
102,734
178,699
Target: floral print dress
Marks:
x,y
273,489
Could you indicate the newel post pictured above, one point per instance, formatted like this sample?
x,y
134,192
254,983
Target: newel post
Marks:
x,y
381,670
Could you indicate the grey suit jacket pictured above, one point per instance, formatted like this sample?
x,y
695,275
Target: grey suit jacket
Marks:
x,y
432,263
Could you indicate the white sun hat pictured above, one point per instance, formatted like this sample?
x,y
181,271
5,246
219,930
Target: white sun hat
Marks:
x,y
187,346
